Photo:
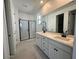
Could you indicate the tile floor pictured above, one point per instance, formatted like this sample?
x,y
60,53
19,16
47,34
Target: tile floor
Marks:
x,y
27,49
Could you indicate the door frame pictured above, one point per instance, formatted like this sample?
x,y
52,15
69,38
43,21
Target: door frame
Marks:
x,y
29,26
10,33
57,21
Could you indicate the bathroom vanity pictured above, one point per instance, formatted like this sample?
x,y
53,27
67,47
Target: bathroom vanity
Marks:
x,y
55,46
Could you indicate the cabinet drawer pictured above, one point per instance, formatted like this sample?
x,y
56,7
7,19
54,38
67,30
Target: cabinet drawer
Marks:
x,y
45,43
38,41
46,51
61,46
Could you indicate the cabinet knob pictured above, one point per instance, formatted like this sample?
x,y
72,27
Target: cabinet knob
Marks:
x,y
43,38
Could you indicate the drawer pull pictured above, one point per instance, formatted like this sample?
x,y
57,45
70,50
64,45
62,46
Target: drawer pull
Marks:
x,y
55,49
43,43
43,38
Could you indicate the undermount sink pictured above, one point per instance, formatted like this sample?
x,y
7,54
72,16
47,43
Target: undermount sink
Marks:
x,y
63,38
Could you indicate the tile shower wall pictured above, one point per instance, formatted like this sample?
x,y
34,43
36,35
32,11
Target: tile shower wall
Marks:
x,y
26,16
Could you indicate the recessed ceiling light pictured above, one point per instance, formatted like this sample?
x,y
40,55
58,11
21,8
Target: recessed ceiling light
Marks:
x,y
41,1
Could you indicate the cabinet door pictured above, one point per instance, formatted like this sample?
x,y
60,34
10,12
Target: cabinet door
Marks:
x,y
55,53
51,51
58,54
66,55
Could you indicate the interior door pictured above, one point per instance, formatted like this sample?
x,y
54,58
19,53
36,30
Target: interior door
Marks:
x,y
32,28
51,51
24,30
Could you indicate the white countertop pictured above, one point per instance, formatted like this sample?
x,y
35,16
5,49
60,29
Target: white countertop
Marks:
x,y
57,37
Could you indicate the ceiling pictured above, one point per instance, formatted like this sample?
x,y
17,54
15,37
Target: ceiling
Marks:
x,y
29,6
34,6
53,5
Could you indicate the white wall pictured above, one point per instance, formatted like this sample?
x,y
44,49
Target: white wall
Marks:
x,y
51,18
13,42
16,16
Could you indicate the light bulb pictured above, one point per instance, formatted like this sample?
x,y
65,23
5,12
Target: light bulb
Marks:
x,y
41,1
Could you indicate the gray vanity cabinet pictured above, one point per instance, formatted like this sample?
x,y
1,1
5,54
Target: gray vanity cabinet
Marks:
x,y
53,49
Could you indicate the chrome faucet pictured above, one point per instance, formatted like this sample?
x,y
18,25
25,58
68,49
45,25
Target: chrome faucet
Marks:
x,y
65,34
